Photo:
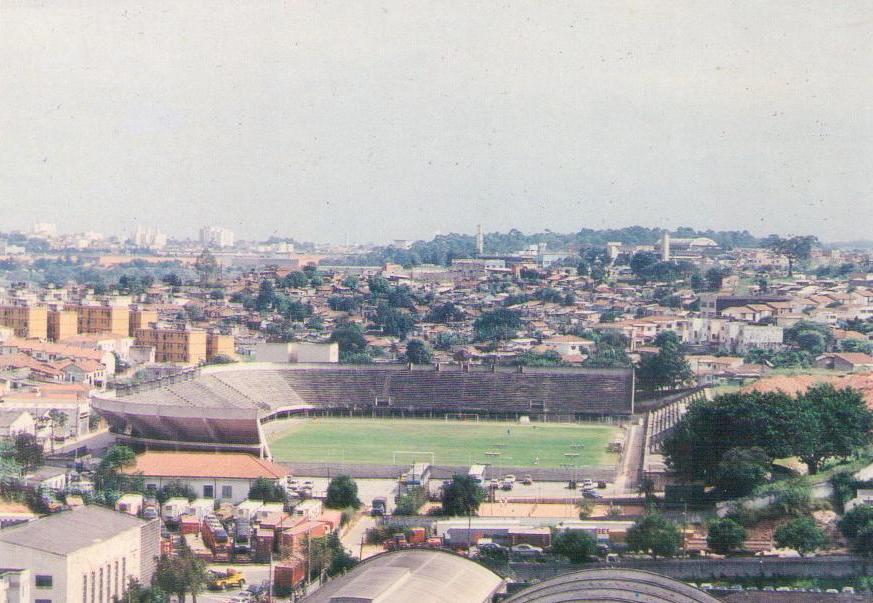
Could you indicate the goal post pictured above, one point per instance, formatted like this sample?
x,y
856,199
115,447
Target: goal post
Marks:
x,y
408,457
461,416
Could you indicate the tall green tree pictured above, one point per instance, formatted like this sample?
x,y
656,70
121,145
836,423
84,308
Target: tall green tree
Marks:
x,y
574,545
342,492
800,534
666,369
418,352
740,470
793,249
462,496
725,536
497,325
832,423
655,535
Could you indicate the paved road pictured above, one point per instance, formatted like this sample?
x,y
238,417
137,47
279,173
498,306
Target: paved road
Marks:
x,y
627,478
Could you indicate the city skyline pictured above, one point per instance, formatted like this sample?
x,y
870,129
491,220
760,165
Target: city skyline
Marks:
x,y
369,123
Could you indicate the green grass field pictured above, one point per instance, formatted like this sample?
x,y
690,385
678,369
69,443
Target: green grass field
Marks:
x,y
452,442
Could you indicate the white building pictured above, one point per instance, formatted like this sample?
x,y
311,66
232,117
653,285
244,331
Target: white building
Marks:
x,y
224,476
297,352
215,236
148,237
88,554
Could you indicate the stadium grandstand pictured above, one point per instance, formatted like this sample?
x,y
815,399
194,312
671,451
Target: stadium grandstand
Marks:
x,y
222,407
615,585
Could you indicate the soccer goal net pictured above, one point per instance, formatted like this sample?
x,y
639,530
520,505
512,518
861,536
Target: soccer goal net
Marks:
x,y
410,457
461,416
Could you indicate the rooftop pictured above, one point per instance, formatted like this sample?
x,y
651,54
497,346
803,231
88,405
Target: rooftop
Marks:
x,y
205,464
67,532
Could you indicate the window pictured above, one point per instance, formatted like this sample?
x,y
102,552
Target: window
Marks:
x,y
84,588
208,491
42,601
43,581
151,487
227,492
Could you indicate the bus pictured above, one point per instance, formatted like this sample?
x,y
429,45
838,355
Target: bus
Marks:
x,y
477,472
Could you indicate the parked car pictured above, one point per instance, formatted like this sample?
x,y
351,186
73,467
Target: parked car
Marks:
x,y
219,580
527,480
494,484
506,485
527,550
509,478
491,547
592,494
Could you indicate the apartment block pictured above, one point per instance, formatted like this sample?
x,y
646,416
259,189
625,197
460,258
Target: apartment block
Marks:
x,y
140,319
102,319
182,346
219,345
62,324
26,321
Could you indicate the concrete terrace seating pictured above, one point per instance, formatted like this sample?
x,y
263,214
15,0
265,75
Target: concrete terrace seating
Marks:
x,y
224,406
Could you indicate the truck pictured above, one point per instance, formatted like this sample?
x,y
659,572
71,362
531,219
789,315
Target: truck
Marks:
x,y
477,473
222,580
379,508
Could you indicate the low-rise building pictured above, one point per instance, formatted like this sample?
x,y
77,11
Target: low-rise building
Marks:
x,y
225,476
88,554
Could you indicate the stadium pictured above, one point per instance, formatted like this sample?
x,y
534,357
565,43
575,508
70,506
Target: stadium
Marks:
x,y
224,407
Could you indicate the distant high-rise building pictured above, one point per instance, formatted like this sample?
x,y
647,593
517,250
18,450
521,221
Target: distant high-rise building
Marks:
x,y
214,236
665,247
44,229
148,237
480,240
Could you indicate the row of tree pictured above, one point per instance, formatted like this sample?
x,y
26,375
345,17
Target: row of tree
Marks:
x,y
731,441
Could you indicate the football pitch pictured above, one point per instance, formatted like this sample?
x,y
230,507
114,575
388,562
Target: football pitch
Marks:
x,y
376,441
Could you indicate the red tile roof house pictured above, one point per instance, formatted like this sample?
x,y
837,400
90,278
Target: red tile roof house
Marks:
x,y
225,476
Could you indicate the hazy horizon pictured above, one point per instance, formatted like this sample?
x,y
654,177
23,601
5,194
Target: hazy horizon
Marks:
x,y
333,121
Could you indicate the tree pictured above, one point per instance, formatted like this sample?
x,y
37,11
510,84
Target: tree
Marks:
x,y
350,338
342,492
29,452
462,496
740,470
444,313
641,262
206,266
266,296
715,278
394,321
800,534
378,285
410,501
725,536
181,575
137,593
59,419
295,280
574,545
856,520
172,279
654,534
831,423
667,368
499,324
266,490
792,249
531,358
418,352
697,444
862,544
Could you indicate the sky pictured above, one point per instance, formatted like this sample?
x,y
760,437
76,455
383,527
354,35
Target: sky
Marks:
x,y
378,120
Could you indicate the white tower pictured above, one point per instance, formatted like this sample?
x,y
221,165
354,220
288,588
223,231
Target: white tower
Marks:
x,y
480,240
665,247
